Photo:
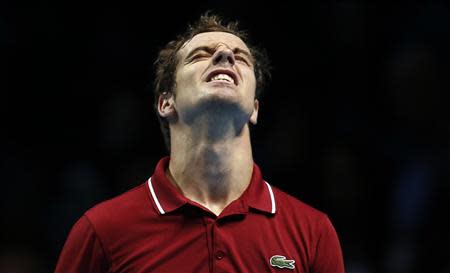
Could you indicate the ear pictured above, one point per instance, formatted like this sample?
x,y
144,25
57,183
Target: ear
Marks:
x,y
166,104
254,116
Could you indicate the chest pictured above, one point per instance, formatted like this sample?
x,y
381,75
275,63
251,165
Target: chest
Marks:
x,y
243,244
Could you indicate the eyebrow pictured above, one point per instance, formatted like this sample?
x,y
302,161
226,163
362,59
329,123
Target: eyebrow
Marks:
x,y
211,50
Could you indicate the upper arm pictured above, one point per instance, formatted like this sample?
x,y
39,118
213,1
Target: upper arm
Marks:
x,y
328,258
82,251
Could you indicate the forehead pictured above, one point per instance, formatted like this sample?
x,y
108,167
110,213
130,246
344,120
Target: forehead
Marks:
x,y
213,39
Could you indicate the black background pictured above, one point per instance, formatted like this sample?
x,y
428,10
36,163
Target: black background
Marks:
x,y
355,121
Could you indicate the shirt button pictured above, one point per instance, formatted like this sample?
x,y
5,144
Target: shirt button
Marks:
x,y
219,255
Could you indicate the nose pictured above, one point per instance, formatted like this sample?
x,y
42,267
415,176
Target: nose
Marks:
x,y
224,56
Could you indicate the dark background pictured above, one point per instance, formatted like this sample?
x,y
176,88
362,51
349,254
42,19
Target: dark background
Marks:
x,y
355,121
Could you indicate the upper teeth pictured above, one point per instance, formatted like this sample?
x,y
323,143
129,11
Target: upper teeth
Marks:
x,y
224,77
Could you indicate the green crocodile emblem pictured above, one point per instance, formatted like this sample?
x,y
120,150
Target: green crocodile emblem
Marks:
x,y
281,262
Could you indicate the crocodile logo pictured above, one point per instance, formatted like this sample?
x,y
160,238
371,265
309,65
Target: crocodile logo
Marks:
x,y
281,262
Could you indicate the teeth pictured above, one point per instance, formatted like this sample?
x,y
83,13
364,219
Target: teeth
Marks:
x,y
222,77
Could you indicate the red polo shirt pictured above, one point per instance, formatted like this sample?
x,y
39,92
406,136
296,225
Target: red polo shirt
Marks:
x,y
154,228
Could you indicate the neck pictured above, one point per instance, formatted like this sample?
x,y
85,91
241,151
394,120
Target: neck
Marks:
x,y
211,172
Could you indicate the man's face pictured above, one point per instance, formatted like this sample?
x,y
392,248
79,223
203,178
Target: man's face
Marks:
x,y
215,67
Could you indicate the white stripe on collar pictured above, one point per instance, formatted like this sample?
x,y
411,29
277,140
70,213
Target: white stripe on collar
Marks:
x,y
152,191
272,198
161,210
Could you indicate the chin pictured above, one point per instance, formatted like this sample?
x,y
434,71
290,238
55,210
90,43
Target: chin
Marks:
x,y
221,98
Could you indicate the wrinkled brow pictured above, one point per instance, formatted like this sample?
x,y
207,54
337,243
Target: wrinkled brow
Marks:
x,y
211,50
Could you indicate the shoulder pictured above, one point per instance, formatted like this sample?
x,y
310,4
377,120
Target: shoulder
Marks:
x,y
312,230
303,221
292,207
127,208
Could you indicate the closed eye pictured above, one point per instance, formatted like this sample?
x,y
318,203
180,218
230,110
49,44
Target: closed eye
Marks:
x,y
202,55
198,57
242,59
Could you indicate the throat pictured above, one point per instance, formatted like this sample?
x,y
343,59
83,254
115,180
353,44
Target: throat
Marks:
x,y
212,175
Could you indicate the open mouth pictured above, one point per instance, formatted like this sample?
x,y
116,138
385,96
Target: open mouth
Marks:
x,y
222,76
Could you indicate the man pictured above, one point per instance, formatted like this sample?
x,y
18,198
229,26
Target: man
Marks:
x,y
206,208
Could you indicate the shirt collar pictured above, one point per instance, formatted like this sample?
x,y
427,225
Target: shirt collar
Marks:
x,y
166,197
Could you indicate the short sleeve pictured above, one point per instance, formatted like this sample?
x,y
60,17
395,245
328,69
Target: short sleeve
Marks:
x,y
328,257
82,251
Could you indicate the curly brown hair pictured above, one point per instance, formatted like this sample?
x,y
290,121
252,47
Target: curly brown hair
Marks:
x,y
167,61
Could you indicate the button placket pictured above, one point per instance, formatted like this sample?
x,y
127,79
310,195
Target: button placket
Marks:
x,y
219,255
